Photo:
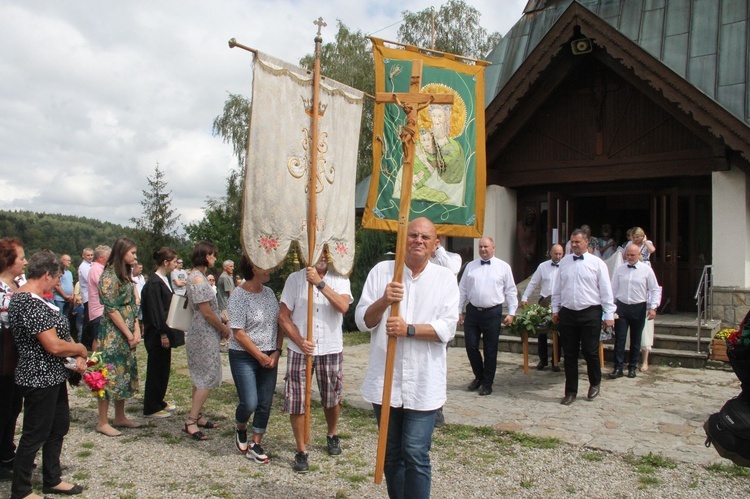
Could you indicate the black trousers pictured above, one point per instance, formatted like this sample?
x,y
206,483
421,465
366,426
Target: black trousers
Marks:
x,y
484,324
10,407
579,333
633,317
46,419
158,366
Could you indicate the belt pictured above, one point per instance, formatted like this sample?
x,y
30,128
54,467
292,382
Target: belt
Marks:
x,y
482,309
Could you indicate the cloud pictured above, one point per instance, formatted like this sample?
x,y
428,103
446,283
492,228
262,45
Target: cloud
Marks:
x,y
94,94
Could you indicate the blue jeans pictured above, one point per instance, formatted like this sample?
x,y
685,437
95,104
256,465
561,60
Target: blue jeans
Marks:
x,y
255,385
408,473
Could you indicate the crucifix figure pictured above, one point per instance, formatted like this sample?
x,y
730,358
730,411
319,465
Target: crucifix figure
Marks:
x,y
411,102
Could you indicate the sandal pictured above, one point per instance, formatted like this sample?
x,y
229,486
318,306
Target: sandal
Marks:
x,y
207,425
198,435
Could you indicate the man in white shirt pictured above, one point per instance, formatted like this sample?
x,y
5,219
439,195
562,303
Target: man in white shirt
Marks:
x,y
83,283
445,258
546,275
581,299
637,296
179,279
486,284
428,312
331,299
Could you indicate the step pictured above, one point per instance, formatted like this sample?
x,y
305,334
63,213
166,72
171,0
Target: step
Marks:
x,y
659,355
686,328
679,342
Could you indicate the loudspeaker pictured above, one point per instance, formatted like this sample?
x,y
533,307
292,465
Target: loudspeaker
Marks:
x,y
580,46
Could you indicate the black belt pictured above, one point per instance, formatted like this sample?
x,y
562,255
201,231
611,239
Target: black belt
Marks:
x,y
483,309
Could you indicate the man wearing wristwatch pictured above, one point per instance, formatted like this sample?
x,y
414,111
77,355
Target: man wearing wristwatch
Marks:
x,y
428,313
332,296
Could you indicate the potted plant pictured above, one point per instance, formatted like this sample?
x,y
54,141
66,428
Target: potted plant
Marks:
x,y
719,344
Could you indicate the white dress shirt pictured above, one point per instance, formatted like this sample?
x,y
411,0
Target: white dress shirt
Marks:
x,y
583,283
546,273
445,258
327,334
419,374
636,285
488,285
83,280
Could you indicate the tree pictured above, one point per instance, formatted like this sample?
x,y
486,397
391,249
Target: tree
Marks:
x,y
457,30
158,225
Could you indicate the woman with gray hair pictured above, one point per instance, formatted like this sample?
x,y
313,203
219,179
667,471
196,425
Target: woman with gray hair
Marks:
x,y
42,336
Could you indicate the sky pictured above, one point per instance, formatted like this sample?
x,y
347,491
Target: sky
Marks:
x,y
94,94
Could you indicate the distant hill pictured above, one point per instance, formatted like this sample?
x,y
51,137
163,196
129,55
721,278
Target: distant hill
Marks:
x,y
59,233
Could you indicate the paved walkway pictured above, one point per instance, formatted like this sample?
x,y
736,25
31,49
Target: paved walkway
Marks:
x,y
661,411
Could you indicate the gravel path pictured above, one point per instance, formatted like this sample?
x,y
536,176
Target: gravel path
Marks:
x,y
158,460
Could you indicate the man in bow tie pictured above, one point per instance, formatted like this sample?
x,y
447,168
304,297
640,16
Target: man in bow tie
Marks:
x,y
546,274
637,296
581,299
486,284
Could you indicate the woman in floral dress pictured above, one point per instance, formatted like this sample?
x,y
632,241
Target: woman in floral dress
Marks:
x,y
119,334
202,340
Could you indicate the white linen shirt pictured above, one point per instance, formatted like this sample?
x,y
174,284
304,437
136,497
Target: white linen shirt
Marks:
x,y
327,334
582,284
636,285
419,374
445,258
546,273
83,280
485,286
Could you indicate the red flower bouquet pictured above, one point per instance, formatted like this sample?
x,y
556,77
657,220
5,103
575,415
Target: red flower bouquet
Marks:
x,y
97,375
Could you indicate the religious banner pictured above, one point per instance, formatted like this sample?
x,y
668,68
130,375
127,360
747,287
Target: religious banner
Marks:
x,y
449,174
276,184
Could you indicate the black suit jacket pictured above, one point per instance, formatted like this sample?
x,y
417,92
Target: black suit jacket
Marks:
x,y
155,298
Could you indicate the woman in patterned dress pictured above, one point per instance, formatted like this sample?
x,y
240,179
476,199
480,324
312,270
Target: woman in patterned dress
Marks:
x,y
42,335
119,334
202,340
254,352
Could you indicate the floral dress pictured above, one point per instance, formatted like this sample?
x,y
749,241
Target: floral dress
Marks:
x,y
119,296
202,340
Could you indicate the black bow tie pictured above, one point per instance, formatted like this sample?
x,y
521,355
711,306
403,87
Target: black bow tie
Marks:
x,y
485,262
631,266
555,264
577,257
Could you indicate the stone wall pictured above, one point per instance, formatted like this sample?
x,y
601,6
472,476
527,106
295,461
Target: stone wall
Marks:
x,y
730,304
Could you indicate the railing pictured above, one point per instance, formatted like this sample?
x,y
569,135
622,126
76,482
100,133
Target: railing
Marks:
x,y
704,301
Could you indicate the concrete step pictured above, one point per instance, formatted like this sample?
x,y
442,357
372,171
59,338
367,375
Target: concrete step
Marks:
x,y
679,342
660,355
687,328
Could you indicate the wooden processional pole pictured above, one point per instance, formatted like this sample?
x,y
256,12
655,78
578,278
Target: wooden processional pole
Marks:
x,y
411,103
312,216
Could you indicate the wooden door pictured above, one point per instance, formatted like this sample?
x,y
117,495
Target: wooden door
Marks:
x,y
663,233
559,218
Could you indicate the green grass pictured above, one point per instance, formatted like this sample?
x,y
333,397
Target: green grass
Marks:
x,y
729,470
592,456
354,338
648,480
84,454
658,461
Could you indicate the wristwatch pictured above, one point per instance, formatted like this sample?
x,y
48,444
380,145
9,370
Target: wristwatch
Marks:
x,y
321,285
410,331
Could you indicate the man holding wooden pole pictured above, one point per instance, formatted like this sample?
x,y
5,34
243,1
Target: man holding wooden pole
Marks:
x,y
428,313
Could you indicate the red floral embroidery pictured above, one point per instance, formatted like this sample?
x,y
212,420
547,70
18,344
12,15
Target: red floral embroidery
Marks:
x,y
268,243
341,249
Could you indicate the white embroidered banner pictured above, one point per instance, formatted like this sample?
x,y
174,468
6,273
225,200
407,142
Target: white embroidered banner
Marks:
x,y
275,199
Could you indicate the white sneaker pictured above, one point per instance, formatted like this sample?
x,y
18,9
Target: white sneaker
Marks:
x,y
158,415
170,407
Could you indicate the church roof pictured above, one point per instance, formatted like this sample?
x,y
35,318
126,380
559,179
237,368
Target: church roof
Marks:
x,y
705,42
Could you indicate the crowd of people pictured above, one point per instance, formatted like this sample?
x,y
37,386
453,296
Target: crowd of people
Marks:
x,y
51,323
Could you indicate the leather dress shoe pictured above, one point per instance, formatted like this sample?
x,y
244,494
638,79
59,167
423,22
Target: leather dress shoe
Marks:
x,y
541,366
617,373
593,392
568,399
631,372
555,369
74,490
474,384
485,390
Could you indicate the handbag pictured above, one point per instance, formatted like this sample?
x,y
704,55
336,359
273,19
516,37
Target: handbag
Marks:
x,y
180,315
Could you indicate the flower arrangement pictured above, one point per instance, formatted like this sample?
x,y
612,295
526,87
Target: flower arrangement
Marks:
x,y
530,319
97,375
725,333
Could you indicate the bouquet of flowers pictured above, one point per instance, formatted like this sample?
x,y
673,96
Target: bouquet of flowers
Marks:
x,y
530,319
97,375
724,333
